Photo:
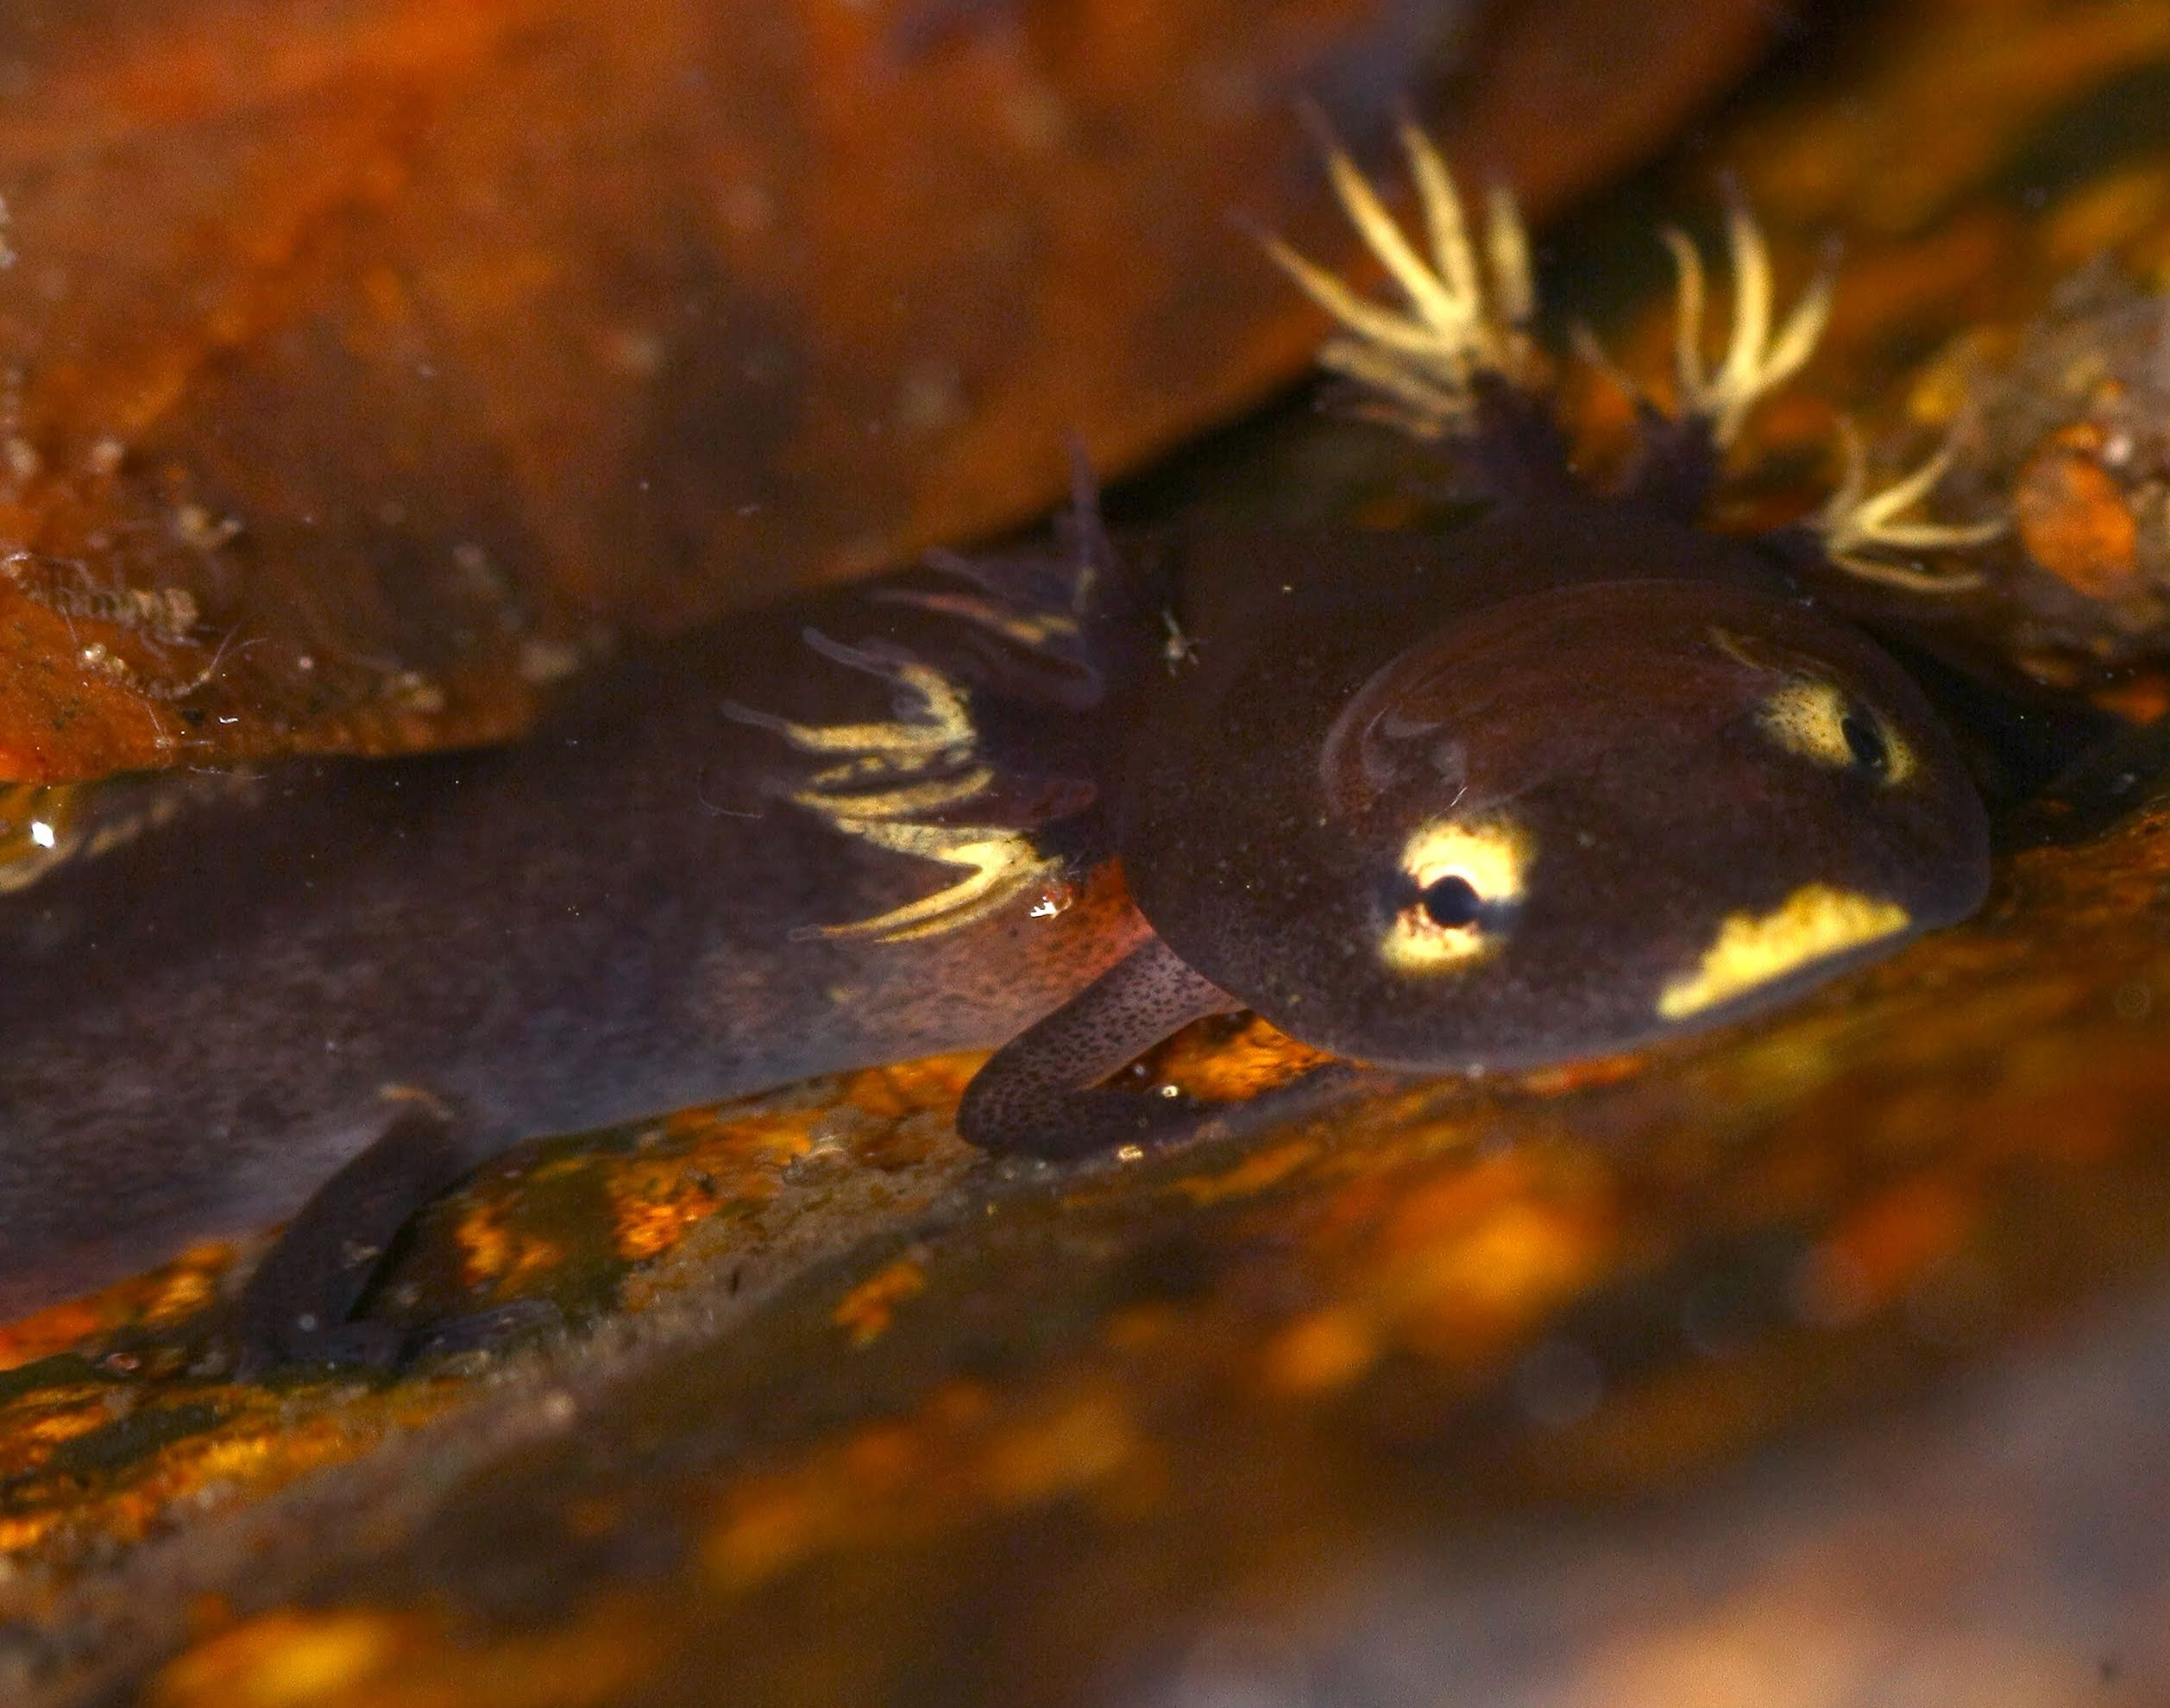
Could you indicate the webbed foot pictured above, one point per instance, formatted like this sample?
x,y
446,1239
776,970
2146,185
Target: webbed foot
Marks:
x,y
1041,1095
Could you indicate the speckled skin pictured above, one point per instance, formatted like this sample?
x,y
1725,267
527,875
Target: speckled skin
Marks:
x,y
1587,665
595,925
438,957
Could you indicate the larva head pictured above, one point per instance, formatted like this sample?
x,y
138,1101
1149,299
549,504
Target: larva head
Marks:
x,y
1571,822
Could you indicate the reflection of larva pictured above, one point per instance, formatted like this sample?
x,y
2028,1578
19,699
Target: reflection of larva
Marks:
x,y
161,616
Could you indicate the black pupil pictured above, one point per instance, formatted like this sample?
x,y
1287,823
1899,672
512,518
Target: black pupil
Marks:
x,y
1864,742
1452,903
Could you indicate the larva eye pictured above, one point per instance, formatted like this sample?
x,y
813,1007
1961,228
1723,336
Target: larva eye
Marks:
x,y
1820,721
1458,884
1866,742
1452,903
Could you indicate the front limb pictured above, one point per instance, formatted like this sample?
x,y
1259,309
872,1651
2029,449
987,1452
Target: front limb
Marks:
x,y
1040,1094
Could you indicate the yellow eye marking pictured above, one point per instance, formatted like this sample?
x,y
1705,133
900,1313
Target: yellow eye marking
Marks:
x,y
1752,950
1490,858
1808,716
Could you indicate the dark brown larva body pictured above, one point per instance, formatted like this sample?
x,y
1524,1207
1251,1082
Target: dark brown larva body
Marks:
x,y
1567,778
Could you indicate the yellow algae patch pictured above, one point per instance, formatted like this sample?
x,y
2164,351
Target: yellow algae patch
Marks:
x,y
1321,1351
282,1659
81,1411
869,1308
348,1658
161,1296
54,1329
188,1283
1752,950
17,1533
1223,1065
908,1088
2074,519
1254,1174
771,1528
1884,1247
709,1161
652,1207
1472,1262
1496,1279
946,1467
201,1448
492,1252
1042,1458
1562,1077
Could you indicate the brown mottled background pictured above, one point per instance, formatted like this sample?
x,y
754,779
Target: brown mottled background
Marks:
x,y
1818,1364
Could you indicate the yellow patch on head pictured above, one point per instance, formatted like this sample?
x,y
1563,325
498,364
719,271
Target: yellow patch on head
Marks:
x,y
1808,716
1492,858
1753,950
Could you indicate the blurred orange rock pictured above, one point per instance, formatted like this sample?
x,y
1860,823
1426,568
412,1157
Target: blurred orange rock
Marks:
x,y
2072,518
366,365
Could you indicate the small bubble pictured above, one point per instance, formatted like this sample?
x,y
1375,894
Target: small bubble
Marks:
x,y
1716,1323
930,399
413,692
634,351
544,662
1828,1289
1558,1384
1956,1304
195,526
746,208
